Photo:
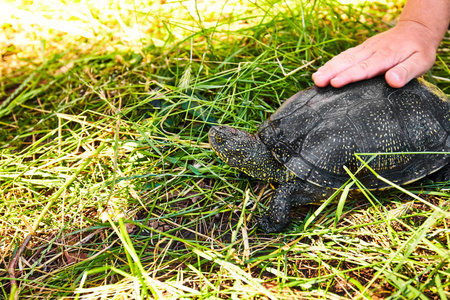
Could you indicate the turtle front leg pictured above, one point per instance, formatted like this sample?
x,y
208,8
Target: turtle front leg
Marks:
x,y
290,194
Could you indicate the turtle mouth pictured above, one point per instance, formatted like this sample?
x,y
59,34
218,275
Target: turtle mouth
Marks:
x,y
215,137
218,137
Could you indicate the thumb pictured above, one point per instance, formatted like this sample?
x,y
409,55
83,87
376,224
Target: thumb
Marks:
x,y
398,76
413,66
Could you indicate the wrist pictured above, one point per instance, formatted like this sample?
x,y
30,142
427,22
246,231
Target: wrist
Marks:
x,y
428,34
430,16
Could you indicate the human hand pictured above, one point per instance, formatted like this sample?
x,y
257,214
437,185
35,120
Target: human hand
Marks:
x,y
402,53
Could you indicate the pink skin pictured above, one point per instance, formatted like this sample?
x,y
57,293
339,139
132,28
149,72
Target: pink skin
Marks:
x,y
406,51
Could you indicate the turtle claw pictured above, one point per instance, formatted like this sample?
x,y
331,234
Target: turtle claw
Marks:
x,y
269,226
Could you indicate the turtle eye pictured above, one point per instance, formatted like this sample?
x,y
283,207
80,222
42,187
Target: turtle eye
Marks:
x,y
219,139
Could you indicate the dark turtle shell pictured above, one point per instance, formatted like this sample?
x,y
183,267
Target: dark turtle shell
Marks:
x,y
317,131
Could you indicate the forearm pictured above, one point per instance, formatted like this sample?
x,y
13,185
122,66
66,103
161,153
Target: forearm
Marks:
x,y
433,14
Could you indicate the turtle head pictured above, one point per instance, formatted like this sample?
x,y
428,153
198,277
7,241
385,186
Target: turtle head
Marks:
x,y
246,153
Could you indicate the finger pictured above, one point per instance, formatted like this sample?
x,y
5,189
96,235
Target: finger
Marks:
x,y
412,67
377,64
339,63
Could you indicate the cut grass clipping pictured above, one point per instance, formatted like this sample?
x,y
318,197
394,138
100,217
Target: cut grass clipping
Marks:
x,y
109,188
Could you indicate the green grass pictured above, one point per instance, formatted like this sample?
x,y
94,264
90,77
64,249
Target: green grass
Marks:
x,y
105,158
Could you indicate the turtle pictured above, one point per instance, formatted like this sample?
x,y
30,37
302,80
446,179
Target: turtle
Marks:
x,y
307,144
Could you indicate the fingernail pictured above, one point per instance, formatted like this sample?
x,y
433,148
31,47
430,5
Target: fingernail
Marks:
x,y
396,76
336,82
336,79
317,75
395,80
